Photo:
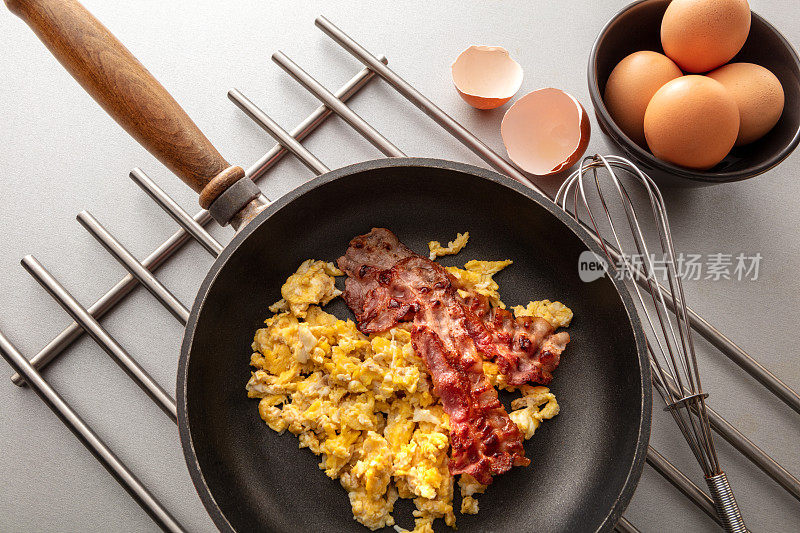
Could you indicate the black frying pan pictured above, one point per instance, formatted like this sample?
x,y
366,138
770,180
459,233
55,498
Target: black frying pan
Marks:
x,y
586,462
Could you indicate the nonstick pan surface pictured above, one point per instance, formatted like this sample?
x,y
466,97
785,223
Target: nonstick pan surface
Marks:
x,y
585,462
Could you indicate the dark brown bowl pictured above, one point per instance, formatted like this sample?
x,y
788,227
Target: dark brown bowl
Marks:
x,y
638,27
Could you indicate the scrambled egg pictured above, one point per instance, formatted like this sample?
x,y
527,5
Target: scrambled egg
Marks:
x,y
469,487
365,404
536,405
313,283
453,247
558,314
476,276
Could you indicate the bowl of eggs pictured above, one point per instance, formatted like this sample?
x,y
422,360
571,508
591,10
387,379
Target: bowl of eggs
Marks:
x,y
696,92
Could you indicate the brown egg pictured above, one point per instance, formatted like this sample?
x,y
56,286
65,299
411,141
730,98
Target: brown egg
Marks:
x,y
759,95
692,121
701,35
632,84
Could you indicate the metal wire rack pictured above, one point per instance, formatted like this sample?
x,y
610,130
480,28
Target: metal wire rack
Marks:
x,y
86,319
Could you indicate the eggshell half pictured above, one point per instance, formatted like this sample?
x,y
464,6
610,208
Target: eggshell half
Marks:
x,y
545,131
759,95
486,77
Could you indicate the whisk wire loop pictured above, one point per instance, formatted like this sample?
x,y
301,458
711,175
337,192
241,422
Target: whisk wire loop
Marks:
x,y
673,360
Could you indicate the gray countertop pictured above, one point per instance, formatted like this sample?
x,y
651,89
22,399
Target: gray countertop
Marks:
x,y
61,154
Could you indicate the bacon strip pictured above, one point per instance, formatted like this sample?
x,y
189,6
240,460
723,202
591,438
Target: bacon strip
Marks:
x,y
368,257
387,284
526,349
484,439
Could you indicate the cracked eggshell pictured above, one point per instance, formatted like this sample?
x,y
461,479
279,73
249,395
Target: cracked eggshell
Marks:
x,y
486,77
545,131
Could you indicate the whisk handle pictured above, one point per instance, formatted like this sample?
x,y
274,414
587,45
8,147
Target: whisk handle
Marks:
x,y
725,504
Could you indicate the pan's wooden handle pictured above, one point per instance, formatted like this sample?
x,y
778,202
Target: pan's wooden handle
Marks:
x,y
128,92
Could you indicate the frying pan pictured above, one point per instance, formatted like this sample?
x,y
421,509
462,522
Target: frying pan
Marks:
x,y
585,463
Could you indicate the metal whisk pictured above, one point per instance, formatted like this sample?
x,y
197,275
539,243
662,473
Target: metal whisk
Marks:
x,y
672,355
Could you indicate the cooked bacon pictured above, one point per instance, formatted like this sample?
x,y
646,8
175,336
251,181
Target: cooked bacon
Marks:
x,y
367,257
388,283
526,349
484,440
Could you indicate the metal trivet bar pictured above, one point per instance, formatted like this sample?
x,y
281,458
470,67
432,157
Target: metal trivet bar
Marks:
x,y
161,254
27,372
86,319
